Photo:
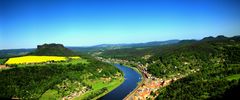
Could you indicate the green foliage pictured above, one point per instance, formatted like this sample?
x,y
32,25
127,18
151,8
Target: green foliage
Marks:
x,y
218,61
234,77
50,95
212,66
201,85
2,61
32,81
232,54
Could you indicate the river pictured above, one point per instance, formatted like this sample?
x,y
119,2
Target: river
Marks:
x,y
130,83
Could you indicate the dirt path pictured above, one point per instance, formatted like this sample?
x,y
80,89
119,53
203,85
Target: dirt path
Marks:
x,y
4,67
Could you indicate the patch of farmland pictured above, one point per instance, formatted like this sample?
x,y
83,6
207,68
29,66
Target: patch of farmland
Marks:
x,y
37,59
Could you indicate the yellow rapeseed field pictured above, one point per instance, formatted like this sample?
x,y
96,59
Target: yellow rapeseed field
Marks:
x,y
36,59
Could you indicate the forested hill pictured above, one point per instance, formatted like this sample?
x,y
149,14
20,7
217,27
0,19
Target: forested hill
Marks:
x,y
14,52
52,50
103,47
210,67
206,45
78,77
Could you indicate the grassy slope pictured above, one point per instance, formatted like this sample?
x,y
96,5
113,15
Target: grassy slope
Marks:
x,y
50,95
53,94
98,85
233,77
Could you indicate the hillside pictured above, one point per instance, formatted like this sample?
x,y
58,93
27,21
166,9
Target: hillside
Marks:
x,y
103,47
207,68
19,52
56,77
14,52
58,80
52,50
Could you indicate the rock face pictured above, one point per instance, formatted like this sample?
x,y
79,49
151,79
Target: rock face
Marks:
x,y
53,45
52,50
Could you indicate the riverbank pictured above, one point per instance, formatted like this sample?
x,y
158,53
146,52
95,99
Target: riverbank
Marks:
x,y
114,86
98,85
134,68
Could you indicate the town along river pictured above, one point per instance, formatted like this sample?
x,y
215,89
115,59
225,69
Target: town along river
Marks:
x,y
130,83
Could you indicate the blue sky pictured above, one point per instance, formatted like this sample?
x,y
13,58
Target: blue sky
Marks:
x,y
27,23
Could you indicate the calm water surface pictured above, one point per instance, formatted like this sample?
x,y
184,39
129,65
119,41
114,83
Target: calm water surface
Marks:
x,y
130,83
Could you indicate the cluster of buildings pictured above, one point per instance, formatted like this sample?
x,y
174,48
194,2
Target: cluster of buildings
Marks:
x,y
77,94
148,89
149,86
110,60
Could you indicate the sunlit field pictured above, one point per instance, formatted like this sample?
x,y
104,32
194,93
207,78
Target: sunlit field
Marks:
x,y
37,59
76,57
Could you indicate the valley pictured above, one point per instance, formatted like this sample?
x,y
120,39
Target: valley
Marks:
x,y
207,64
119,49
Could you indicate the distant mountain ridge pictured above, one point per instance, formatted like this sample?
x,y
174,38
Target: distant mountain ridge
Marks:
x,y
52,50
123,45
17,52
203,45
154,43
14,52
